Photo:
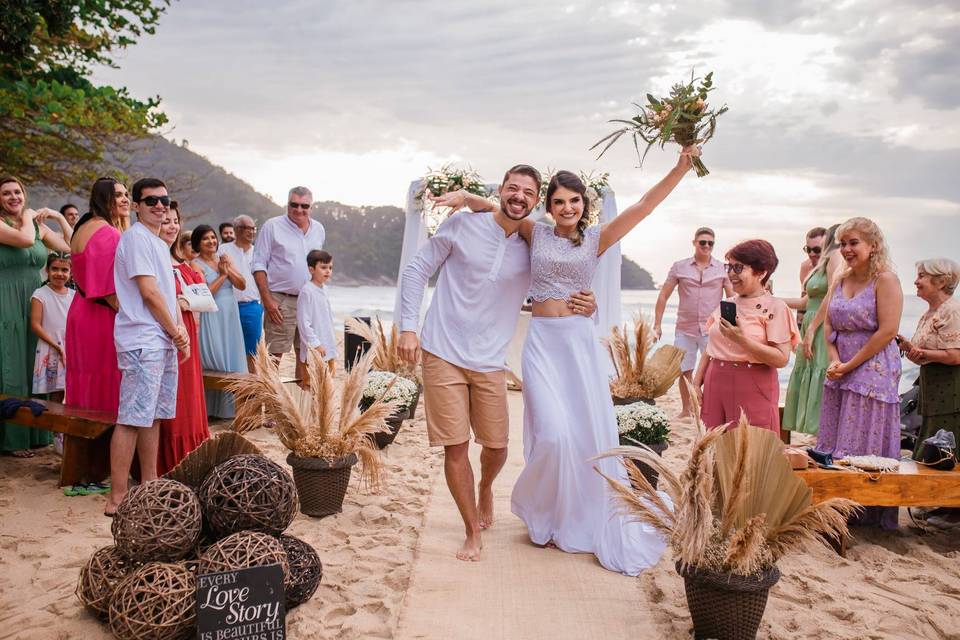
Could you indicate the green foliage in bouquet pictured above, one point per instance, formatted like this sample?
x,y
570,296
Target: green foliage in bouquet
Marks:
x,y
682,117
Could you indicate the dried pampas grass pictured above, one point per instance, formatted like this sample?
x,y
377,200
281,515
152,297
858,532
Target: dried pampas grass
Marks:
x,y
310,423
640,375
386,353
738,507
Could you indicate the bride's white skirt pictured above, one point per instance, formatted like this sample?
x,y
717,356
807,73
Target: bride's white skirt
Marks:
x,y
569,418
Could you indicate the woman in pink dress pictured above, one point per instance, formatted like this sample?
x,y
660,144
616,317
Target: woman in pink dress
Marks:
x,y
184,433
93,378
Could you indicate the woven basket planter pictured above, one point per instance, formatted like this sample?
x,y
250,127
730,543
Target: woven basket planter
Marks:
x,y
412,409
648,472
385,438
321,484
618,400
726,606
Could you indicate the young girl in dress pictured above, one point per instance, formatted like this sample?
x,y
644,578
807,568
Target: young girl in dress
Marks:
x,y
48,320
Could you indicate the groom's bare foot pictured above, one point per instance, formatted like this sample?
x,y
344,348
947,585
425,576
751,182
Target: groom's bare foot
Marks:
x,y
470,551
485,507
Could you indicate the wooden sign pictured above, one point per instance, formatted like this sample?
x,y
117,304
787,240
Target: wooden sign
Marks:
x,y
247,604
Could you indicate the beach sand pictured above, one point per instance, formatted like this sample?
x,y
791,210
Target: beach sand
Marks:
x,y
891,585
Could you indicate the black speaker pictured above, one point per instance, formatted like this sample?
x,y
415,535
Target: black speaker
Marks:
x,y
354,346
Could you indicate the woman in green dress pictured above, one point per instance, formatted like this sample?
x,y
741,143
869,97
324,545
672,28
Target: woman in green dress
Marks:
x,y
801,411
24,241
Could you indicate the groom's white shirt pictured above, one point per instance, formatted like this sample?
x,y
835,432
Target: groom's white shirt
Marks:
x,y
484,277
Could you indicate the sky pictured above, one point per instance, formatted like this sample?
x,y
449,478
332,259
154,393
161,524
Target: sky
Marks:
x,y
837,108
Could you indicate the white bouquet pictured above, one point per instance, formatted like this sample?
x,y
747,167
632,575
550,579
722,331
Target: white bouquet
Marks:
x,y
378,388
643,423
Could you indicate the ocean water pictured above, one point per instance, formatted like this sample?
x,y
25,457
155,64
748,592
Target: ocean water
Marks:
x,y
378,301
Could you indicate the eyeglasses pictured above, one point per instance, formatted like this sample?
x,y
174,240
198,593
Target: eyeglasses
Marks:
x,y
706,243
244,227
151,201
298,205
735,267
809,250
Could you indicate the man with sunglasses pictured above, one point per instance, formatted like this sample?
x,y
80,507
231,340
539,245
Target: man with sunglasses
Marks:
x,y
703,282
813,248
280,269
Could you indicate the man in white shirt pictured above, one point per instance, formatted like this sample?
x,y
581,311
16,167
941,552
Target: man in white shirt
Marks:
x,y
240,252
148,332
280,269
484,276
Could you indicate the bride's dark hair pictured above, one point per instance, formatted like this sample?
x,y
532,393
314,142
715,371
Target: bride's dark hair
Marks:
x,y
571,181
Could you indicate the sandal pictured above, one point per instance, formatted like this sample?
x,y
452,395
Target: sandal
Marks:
x,y
22,453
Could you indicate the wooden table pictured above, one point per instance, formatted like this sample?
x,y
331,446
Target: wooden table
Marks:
x,y
912,486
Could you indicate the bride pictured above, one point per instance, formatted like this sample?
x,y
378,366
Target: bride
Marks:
x,y
568,412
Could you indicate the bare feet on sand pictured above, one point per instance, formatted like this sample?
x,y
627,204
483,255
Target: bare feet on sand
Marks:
x,y
110,508
485,507
470,551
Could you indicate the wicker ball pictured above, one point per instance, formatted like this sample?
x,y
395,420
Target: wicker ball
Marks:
x,y
158,601
105,569
158,520
305,571
242,550
248,493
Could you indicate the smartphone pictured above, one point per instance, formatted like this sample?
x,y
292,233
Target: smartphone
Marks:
x,y
728,311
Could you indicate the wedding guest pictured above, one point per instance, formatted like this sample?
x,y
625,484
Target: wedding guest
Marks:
x,y
221,339
188,429
71,213
801,410
227,232
703,283
813,247
861,406
148,333
48,321
24,240
739,372
93,378
314,316
186,247
280,269
248,298
935,346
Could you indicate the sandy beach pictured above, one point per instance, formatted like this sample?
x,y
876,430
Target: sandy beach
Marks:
x,y
387,576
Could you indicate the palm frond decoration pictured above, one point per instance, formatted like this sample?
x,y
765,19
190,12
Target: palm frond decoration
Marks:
x,y
313,425
738,507
386,356
640,374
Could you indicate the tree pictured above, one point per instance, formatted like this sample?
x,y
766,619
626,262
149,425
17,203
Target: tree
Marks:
x,y
54,123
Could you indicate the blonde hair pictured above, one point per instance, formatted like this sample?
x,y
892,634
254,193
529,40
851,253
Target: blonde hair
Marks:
x,y
871,234
6,179
943,270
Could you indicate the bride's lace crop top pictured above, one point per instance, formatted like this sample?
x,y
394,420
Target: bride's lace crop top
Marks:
x,y
557,267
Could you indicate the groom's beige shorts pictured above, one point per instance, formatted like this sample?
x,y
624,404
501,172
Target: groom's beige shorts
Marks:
x,y
456,399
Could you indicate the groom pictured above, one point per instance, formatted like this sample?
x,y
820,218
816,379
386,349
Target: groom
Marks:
x,y
484,276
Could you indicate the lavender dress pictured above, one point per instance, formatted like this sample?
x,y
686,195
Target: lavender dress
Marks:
x,y
861,411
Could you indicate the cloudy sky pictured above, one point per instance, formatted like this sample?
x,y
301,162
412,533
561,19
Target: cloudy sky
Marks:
x,y
837,108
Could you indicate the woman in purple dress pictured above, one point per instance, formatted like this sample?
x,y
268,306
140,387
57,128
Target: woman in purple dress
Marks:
x,y
861,408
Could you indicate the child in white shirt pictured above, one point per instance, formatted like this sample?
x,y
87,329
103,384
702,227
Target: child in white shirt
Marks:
x,y
314,316
48,320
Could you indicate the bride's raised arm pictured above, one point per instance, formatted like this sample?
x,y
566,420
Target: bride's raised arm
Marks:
x,y
613,231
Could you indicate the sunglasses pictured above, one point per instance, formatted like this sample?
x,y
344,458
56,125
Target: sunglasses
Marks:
x,y
151,201
298,205
705,243
736,268
816,250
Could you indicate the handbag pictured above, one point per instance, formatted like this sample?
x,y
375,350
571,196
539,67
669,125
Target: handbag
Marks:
x,y
198,296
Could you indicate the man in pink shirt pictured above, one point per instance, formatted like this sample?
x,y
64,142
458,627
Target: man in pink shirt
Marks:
x,y
703,283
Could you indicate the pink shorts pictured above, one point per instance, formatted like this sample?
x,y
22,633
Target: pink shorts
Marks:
x,y
730,387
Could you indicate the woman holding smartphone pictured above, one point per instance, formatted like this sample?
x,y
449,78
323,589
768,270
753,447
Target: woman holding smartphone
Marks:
x,y
750,336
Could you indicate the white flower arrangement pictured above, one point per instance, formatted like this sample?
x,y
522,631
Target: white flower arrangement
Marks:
x,y
643,423
595,184
377,385
441,181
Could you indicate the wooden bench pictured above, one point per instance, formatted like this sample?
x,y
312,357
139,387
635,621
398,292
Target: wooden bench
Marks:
x,y
219,380
86,438
914,485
